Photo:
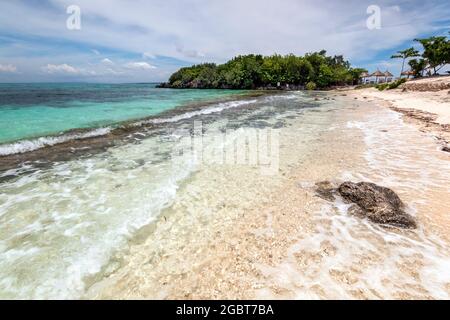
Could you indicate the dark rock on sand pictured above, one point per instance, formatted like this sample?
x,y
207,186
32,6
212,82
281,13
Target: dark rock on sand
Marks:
x,y
379,204
446,149
325,190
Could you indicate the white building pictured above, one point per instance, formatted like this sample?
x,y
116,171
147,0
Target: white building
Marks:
x,y
376,77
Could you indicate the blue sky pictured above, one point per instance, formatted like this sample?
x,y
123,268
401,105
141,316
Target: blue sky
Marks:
x,y
146,40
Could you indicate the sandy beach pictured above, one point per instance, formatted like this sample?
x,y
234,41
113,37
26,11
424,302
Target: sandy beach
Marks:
x,y
425,102
249,236
177,224
232,151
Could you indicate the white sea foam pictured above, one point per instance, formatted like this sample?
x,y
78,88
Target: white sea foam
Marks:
x,y
63,224
38,143
389,146
187,115
75,226
31,145
349,257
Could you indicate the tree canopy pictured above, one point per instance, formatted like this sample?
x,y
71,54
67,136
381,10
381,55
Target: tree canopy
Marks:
x,y
435,55
436,52
405,54
256,71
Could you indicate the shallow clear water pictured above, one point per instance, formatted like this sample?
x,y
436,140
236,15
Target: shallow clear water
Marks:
x,y
63,224
233,233
64,227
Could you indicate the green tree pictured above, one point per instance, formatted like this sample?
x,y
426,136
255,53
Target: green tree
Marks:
x,y
356,73
325,77
417,66
253,71
436,52
405,54
316,59
272,70
297,70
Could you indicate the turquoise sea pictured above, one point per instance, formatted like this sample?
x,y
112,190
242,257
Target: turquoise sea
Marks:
x,y
136,217
35,110
65,222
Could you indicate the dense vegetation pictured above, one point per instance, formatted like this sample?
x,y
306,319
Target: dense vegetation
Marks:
x,y
435,55
314,70
390,85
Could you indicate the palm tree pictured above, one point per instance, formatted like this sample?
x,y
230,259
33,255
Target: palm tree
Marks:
x,y
405,54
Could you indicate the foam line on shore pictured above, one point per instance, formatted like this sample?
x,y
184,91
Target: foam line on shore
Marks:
x,y
34,144
24,146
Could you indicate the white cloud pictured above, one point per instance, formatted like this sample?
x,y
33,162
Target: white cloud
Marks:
x,y
218,30
198,31
148,55
67,69
96,52
113,72
60,68
139,66
107,61
189,53
8,68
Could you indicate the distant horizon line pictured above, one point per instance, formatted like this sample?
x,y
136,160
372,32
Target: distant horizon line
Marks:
x,y
80,82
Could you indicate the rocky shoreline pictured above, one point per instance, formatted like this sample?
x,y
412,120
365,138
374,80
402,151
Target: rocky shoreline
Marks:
x,y
379,204
287,87
127,132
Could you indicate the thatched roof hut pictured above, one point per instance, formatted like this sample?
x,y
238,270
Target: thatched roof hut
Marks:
x,y
364,75
407,73
377,74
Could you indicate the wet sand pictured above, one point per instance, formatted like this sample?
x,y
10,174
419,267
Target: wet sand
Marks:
x,y
233,233
423,102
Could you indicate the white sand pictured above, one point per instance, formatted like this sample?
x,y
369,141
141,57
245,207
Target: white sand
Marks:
x,y
437,102
233,233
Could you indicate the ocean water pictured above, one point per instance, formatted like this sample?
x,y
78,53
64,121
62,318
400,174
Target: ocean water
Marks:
x,y
68,224
67,227
234,233
34,110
